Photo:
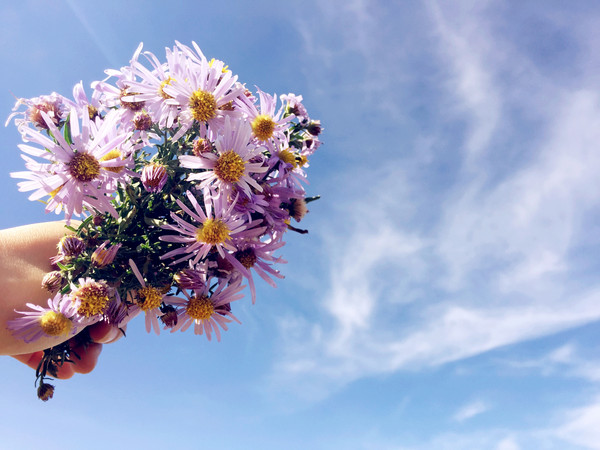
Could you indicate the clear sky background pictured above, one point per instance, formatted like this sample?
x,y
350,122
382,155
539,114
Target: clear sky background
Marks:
x,y
447,296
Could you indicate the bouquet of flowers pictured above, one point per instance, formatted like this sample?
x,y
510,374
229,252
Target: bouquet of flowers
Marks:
x,y
184,182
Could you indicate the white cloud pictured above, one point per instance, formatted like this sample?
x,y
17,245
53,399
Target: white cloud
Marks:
x,y
508,443
470,410
566,360
581,426
467,48
493,267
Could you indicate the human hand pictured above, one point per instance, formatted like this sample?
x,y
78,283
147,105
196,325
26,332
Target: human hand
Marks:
x,y
88,353
24,260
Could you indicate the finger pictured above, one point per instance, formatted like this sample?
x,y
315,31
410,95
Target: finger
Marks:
x,y
30,359
99,331
33,360
89,357
117,334
104,333
66,371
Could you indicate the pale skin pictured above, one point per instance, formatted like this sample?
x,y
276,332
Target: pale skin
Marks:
x,y
24,260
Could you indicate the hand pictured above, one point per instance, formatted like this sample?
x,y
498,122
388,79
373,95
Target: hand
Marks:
x,y
100,333
24,260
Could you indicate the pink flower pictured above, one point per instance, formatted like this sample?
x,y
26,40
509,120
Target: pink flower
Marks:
x,y
78,175
148,299
233,164
206,311
267,124
203,91
215,229
59,319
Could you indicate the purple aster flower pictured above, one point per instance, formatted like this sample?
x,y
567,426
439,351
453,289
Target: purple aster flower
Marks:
x,y
206,311
80,175
118,314
121,96
214,229
54,106
193,277
233,163
150,88
203,91
267,124
294,106
258,255
58,319
247,205
149,300
91,299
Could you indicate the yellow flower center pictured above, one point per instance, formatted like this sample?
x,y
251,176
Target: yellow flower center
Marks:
x,y
203,105
84,167
149,298
213,231
92,112
55,324
161,90
288,157
94,299
200,308
113,154
230,167
263,127
132,106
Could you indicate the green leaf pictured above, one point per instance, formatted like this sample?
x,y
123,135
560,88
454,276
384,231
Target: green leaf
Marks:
x,y
67,130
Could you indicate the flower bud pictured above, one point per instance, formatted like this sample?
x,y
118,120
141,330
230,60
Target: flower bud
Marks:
x,y
71,246
297,208
52,281
189,279
105,255
142,121
98,220
314,127
201,146
154,177
45,391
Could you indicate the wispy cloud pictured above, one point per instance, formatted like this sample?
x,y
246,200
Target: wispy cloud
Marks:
x,y
581,426
565,361
467,49
492,266
470,410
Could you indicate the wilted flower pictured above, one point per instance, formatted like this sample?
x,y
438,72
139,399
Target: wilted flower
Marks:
x,y
45,391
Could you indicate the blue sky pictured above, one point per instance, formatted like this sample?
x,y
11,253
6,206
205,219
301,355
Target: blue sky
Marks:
x,y
447,295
